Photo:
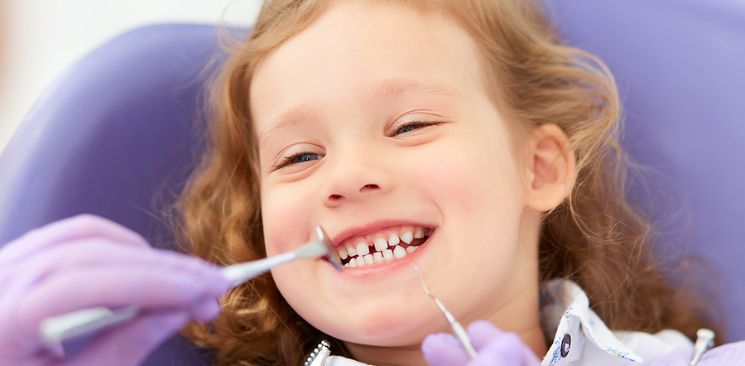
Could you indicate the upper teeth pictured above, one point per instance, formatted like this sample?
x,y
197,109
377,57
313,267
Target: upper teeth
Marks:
x,y
385,242
362,247
380,244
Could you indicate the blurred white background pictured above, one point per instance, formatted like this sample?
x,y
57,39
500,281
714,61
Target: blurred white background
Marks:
x,y
46,36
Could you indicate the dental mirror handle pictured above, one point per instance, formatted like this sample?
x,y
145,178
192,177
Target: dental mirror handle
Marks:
x,y
242,272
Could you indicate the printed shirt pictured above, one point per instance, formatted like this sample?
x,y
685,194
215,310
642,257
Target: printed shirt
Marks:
x,y
580,338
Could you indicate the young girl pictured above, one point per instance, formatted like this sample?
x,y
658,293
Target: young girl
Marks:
x,y
458,136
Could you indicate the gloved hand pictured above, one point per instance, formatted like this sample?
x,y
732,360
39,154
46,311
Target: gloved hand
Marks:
x,y
88,261
494,347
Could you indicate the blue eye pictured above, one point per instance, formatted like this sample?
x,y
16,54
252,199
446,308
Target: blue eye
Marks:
x,y
414,126
297,159
407,128
302,157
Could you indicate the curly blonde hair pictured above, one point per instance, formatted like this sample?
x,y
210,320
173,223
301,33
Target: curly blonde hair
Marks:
x,y
595,238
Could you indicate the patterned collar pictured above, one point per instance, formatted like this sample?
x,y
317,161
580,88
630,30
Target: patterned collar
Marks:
x,y
566,318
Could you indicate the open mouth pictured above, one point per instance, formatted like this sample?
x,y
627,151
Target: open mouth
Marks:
x,y
389,244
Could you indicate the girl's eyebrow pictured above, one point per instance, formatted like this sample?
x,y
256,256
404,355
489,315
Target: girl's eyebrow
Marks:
x,y
394,87
385,89
291,117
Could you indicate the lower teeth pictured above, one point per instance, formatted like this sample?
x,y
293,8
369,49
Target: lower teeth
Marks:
x,y
390,254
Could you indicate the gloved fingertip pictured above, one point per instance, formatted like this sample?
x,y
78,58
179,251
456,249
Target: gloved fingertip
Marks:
x,y
508,349
217,284
481,332
206,310
436,340
441,349
506,353
493,357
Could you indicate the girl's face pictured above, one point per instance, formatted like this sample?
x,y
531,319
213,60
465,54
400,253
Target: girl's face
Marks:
x,y
375,121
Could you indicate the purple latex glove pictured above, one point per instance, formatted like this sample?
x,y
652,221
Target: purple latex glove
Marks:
x,y
494,348
87,261
732,354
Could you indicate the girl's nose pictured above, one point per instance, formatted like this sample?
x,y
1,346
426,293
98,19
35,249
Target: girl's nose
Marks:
x,y
353,182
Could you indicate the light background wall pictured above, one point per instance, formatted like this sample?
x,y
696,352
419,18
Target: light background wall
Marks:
x,y
46,36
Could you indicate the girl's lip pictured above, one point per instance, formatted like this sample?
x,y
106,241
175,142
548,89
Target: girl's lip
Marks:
x,y
375,270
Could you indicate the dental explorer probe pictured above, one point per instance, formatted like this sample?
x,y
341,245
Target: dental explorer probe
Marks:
x,y
66,334
704,342
460,333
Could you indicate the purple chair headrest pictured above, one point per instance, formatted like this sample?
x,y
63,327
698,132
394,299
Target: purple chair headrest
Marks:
x,y
680,67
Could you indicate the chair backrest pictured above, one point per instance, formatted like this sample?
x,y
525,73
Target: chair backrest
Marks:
x,y
680,67
117,135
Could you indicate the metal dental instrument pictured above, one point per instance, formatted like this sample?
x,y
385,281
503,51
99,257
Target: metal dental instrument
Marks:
x,y
66,334
460,333
704,341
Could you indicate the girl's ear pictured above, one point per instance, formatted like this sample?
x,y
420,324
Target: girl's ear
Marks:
x,y
550,168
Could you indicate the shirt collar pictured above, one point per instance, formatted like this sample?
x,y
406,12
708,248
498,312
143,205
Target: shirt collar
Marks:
x,y
568,321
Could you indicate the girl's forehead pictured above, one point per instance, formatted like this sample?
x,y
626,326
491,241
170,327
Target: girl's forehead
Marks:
x,y
381,91
359,51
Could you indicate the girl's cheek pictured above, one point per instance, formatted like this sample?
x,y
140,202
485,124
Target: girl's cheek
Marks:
x,y
284,219
463,176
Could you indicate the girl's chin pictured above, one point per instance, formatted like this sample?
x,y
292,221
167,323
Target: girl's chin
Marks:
x,y
384,328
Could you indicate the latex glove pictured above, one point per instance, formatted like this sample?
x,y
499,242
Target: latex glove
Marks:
x,y
732,354
87,261
493,346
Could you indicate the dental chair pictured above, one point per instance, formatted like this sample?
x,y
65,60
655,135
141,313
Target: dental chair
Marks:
x,y
118,134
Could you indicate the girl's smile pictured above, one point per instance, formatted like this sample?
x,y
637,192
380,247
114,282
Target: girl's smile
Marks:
x,y
380,243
